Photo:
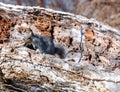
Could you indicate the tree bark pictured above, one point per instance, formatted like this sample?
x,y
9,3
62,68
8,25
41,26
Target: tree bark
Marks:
x,y
92,62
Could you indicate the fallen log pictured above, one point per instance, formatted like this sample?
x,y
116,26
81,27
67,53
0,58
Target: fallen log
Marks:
x,y
92,62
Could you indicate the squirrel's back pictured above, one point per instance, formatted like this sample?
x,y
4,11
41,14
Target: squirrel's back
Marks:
x,y
60,51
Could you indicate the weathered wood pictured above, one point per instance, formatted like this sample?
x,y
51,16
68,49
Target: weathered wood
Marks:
x,y
94,44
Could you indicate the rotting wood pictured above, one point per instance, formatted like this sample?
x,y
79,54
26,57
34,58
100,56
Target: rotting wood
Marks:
x,y
23,69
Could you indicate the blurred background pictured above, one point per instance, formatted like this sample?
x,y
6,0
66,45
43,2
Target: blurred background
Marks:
x,y
106,11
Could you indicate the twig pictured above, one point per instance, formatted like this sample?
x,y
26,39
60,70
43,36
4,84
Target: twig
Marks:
x,y
81,47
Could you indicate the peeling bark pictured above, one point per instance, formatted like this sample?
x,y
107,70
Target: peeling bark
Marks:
x,y
94,45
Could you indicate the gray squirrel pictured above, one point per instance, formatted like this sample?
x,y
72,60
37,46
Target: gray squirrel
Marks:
x,y
45,45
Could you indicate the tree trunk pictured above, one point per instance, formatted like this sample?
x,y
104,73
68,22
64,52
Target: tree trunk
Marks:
x,y
92,62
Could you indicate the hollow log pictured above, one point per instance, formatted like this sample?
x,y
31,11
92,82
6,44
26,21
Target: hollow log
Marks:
x,y
92,62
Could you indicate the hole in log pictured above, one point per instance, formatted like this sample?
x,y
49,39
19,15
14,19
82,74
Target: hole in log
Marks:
x,y
30,46
0,17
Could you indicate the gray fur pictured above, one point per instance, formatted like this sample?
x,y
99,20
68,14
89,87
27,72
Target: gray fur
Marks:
x,y
43,43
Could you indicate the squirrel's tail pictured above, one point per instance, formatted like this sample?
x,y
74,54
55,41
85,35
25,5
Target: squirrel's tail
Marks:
x,y
60,51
